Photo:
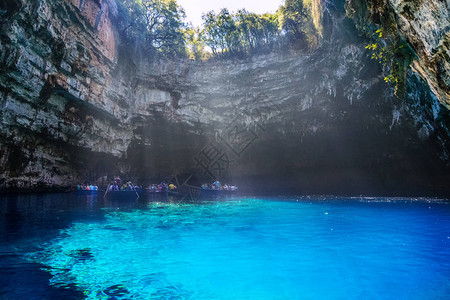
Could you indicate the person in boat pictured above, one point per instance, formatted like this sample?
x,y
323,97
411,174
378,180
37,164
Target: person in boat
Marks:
x,y
129,186
113,187
118,180
217,185
172,187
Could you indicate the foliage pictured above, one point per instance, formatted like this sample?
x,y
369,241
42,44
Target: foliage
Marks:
x,y
298,23
158,25
293,18
195,44
257,30
153,25
394,54
245,32
240,32
387,46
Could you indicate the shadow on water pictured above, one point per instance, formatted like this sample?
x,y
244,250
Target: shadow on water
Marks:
x,y
27,222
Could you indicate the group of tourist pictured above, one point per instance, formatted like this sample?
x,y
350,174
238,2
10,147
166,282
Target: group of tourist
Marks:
x,y
87,187
162,187
128,186
217,186
116,185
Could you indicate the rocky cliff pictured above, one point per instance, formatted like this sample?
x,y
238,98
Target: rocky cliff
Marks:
x,y
424,25
76,105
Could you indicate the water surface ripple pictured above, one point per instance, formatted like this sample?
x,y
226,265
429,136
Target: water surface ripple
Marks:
x,y
239,248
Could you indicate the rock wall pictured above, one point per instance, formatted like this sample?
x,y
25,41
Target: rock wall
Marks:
x,y
67,102
426,27
77,105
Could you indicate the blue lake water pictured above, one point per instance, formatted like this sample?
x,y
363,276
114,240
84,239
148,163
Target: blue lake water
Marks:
x,y
71,247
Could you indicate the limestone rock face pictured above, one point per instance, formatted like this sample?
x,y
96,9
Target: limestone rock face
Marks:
x,y
77,105
66,100
426,26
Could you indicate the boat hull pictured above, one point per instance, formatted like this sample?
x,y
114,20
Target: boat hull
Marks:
x,y
216,192
86,193
122,195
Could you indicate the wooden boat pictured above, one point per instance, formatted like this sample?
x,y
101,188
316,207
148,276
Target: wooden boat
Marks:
x,y
162,193
122,195
196,193
212,192
86,192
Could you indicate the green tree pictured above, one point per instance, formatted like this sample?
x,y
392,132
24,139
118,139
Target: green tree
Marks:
x,y
241,32
293,18
297,23
154,25
131,21
221,31
245,22
212,36
196,44
158,25
269,24
227,31
165,25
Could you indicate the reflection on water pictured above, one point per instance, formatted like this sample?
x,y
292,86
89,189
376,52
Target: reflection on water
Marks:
x,y
235,248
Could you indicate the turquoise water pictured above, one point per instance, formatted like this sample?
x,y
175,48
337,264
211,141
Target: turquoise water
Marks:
x,y
250,248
